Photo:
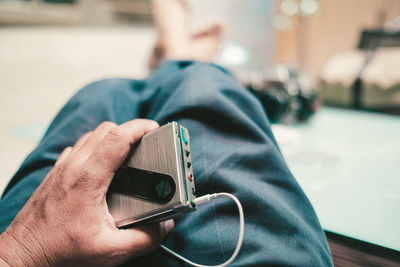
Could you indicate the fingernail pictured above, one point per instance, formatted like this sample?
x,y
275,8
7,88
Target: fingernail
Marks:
x,y
168,226
156,125
152,124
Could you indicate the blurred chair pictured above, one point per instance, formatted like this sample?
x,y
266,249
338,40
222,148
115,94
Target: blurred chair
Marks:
x,y
367,78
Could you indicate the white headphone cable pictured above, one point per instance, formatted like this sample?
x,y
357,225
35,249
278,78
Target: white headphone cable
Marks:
x,y
205,199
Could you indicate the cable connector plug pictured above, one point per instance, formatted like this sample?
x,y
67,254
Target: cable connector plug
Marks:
x,y
204,199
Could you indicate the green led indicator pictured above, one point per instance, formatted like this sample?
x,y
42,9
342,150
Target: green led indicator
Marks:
x,y
184,138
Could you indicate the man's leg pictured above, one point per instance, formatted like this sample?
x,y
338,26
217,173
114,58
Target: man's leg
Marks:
x,y
233,150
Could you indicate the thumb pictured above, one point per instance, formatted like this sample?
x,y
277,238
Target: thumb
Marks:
x,y
167,227
144,239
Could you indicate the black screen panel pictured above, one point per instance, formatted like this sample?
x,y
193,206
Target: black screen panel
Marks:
x,y
152,186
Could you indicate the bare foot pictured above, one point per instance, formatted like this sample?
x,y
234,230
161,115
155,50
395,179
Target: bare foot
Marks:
x,y
204,44
172,22
175,41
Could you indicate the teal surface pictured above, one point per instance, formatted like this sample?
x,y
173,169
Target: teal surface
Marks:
x,y
348,163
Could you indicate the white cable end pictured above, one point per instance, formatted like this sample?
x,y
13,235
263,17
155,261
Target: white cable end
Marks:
x,y
204,199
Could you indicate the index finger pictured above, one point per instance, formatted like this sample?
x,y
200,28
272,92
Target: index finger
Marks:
x,y
115,147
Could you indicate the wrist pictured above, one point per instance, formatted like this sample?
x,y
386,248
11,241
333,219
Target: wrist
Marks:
x,y
18,252
10,251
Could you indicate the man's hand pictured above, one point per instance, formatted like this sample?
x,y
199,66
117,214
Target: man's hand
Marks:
x,y
66,221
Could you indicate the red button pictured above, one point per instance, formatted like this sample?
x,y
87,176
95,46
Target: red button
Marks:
x,y
190,176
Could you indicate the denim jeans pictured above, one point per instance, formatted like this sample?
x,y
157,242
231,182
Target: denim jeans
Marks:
x,y
233,150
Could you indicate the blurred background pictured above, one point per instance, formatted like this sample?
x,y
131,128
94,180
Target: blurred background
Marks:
x,y
327,72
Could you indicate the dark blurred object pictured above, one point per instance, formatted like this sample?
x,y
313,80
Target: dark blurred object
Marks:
x,y
287,95
352,252
372,39
131,11
374,74
61,1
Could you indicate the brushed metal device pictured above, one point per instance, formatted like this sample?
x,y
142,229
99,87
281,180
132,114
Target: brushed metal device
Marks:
x,y
155,182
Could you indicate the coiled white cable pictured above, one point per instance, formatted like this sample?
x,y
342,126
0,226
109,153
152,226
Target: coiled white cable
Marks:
x,y
205,199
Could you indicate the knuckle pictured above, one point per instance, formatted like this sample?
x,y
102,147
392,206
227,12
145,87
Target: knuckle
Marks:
x,y
79,170
80,178
107,125
115,134
67,148
86,135
74,164
83,172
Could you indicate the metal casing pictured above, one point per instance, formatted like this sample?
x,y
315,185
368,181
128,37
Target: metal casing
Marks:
x,y
165,150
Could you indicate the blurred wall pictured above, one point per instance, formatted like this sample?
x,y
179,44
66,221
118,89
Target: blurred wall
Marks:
x,y
246,24
335,28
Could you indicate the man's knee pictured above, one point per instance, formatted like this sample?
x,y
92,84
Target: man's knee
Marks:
x,y
203,79
93,104
201,72
101,91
